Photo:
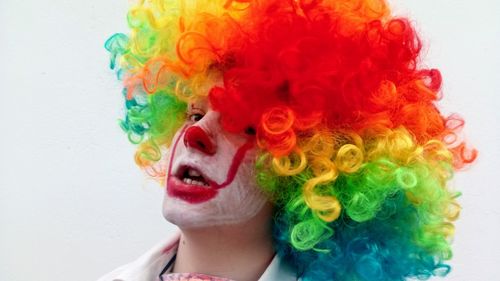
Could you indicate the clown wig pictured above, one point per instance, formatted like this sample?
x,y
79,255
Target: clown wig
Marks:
x,y
353,151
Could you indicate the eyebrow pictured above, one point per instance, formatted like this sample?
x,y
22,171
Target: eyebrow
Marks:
x,y
193,106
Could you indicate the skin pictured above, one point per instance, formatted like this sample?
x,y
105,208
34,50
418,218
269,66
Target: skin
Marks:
x,y
239,252
227,234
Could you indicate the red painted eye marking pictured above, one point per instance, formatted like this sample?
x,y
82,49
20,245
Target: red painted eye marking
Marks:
x,y
174,148
235,164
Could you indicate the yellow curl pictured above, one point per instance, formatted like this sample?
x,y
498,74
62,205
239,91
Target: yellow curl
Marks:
x,y
283,165
452,211
398,144
147,153
323,165
349,158
437,150
320,144
182,91
403,146
326,207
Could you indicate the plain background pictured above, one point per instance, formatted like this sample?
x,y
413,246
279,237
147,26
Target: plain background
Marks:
x,y
74,206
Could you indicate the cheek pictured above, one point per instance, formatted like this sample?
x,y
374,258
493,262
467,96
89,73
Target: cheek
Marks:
x,y
238,161
174,148
237,202
246,173
242,199
244,184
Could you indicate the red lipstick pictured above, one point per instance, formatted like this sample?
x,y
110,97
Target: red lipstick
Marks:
x,y
189,192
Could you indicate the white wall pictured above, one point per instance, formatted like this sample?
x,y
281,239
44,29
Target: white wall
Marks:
x,y
73,205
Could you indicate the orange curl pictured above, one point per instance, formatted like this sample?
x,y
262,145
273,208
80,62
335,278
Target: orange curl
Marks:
x,y
463,155
278,145
386,94
278,120
130,83
196,50
154,74
275,132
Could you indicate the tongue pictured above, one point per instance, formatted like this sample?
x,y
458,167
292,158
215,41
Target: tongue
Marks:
x,y
193,173
200,179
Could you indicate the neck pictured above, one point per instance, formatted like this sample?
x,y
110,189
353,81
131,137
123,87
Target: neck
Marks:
x,y
240,252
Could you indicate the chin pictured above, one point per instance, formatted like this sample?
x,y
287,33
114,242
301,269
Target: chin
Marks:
x,y
215,212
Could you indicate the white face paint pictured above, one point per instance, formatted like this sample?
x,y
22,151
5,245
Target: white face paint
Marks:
x,y
210,177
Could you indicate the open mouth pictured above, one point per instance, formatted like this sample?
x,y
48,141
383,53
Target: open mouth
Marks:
x,y
191,176
190,185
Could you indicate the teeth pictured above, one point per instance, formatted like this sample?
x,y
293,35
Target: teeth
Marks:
x,y
194,182
193,173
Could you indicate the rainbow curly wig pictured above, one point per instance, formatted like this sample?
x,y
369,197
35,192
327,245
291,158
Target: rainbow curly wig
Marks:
x,y
354,153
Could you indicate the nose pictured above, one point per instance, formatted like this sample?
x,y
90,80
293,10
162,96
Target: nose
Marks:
x,y
195,137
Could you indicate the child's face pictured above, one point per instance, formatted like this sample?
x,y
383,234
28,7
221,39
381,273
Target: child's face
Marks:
x,y
210,174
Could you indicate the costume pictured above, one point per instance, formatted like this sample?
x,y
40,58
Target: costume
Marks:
x,y
321,107
157,261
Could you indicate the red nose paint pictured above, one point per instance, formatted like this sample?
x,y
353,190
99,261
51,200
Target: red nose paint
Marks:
x,y
197,194
197,138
